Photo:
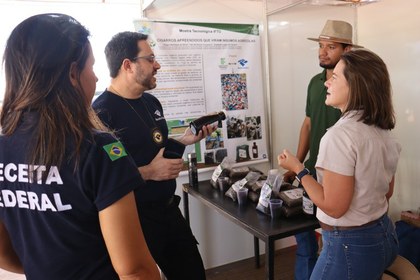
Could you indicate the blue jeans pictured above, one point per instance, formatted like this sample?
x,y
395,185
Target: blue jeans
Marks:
x,y
361,254
306,254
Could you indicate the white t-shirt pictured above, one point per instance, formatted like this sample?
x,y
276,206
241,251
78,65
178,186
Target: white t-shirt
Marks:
x,y
368,153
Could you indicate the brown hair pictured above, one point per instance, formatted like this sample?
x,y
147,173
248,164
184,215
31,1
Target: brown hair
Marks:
x,y
37,59
370,88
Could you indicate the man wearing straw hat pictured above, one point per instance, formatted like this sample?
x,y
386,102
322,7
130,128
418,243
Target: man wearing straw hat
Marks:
x,y
334,40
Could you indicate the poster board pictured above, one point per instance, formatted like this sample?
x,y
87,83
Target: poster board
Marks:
x,y
206,68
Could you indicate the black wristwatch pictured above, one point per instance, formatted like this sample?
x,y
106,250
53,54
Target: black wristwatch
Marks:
x,y
302,173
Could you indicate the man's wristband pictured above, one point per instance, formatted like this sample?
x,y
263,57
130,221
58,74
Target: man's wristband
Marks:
x,y
302,173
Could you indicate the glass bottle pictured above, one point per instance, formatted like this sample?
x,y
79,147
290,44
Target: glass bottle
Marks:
x,y
309,208
254,150
197,124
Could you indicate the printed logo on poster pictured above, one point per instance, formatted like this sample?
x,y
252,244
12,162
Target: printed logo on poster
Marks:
x,y
223,63
243,63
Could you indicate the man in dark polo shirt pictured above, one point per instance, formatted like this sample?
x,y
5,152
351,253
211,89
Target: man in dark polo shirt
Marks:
x,y
138,120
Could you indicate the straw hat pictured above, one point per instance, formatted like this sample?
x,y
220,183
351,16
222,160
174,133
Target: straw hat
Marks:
x,y
337,31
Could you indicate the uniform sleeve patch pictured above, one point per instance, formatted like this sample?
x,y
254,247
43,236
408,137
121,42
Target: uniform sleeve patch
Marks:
x,y
115,150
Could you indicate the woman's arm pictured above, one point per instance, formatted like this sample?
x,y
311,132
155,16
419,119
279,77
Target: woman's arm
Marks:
x,y
125,242
8,259
335,194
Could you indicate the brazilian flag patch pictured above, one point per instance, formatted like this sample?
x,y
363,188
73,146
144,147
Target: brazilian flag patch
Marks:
x,y
115,150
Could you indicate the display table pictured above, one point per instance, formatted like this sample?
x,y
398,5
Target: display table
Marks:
x,y
247,217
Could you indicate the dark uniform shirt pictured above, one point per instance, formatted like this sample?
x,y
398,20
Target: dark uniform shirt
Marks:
x,y
53,220
134,121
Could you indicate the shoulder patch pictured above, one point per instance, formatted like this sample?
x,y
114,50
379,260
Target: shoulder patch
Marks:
x,y
115,150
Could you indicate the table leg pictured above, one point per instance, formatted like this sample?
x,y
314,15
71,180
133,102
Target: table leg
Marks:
x,y
257,252
269,259
186,208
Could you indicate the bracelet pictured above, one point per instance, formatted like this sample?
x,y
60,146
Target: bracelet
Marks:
x,y
301,174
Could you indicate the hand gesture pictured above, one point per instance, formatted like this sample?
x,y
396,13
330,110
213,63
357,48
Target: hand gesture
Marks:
x,y
160,168
290,162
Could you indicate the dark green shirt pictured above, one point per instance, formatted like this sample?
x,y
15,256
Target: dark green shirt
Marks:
x,y
322,116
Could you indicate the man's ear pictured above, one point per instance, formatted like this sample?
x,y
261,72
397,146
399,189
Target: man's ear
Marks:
x,y
126,65
73,74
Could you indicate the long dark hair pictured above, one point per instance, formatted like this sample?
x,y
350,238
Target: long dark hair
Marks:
x,y
37,59
370,88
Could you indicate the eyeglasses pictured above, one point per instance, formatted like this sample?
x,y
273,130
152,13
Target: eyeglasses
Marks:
x,y
151,58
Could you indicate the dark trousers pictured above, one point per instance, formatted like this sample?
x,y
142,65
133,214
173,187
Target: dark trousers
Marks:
x,y
170,240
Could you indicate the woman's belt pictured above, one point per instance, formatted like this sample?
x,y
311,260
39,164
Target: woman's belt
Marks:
x,y
331,228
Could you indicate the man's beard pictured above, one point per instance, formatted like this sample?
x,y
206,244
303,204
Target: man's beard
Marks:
x,y
327,66
146,82
149,85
